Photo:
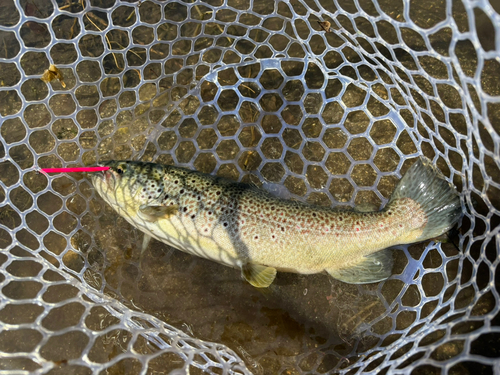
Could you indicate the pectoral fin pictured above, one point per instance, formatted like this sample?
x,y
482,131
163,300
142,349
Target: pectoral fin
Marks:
x,y
257,275
370,269
145,242
154,213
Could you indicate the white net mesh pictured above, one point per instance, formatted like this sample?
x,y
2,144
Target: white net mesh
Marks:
x,y
259,91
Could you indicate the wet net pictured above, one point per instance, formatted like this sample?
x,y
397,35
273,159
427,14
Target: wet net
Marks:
x,y
325,101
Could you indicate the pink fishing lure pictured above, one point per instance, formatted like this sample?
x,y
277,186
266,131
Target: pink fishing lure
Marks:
x,y
75,169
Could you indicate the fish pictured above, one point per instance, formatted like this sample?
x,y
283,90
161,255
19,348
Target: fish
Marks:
x,y
244,227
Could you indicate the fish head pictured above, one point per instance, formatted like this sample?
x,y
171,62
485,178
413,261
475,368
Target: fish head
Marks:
x,y
127,185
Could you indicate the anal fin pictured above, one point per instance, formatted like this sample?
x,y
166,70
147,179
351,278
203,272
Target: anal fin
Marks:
x,y
370,269
257,275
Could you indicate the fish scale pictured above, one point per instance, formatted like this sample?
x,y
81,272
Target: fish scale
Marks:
x,y
241,226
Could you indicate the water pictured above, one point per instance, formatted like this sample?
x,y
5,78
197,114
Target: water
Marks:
x,y
343,143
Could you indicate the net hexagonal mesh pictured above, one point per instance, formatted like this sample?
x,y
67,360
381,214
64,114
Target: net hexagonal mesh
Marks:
x,y
326,101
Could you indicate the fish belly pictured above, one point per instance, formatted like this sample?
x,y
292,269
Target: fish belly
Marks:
x,y
185,236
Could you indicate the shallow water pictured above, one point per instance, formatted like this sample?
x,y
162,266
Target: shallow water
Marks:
x,y
301,323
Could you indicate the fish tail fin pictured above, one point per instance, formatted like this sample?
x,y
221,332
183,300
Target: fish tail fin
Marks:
x,y
439,200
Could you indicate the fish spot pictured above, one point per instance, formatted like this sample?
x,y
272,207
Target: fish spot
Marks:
x,y
314,214
389,212
341,218
193,216
256,237
176,182
185,209
225,224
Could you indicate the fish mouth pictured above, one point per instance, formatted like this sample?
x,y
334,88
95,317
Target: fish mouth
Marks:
x,y
104,181
110,177
98,181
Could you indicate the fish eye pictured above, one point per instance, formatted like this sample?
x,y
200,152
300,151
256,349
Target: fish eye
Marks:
x,y
119,170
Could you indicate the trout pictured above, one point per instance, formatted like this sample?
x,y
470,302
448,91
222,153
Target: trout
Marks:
x,y
241,226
